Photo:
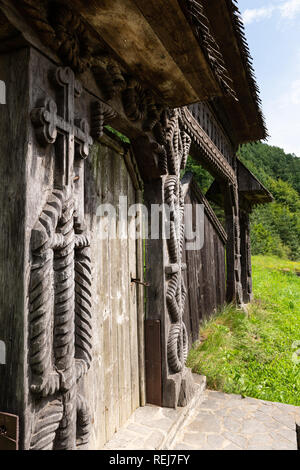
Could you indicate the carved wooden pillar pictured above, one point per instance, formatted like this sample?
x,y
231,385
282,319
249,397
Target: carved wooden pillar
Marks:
x,y
47,137
168,381
14,131
233,262
246,269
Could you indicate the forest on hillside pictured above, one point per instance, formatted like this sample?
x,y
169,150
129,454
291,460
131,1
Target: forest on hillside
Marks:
x,y
275,227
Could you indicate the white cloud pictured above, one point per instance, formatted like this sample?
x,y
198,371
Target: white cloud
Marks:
x,y
283,119
290,9
287,10
256,14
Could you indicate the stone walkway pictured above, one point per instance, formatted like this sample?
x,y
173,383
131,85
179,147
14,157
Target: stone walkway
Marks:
x,y
230,422
212,421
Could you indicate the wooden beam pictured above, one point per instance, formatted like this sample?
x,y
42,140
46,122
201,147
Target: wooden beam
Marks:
x,y
176,70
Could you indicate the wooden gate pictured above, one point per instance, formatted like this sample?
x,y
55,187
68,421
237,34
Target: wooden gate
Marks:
x,y
205,275
117,369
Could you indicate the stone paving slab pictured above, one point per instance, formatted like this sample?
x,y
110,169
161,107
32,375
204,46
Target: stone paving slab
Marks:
x,y
212,421
230,422
151,427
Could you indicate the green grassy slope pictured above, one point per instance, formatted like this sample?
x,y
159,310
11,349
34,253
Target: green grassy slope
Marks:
x,y
252,354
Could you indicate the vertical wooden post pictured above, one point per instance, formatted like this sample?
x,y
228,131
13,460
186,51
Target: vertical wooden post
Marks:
x,y
168,381
140,308
155,301
233,262
246,268
14,148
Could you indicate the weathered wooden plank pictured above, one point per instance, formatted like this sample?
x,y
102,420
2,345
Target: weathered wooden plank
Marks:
x,y
119,271
205,270
153,362
141,306
109,308
187,312
13,138
133,312
218,281
96,399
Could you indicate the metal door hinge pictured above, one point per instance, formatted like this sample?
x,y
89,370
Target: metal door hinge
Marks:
x,y
9,431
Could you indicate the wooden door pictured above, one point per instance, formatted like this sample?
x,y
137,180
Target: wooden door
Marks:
x,y
116,363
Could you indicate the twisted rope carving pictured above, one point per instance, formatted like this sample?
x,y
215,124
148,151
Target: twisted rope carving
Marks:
x,y
108,74
46,424
83,422
62,30
45,380
72,37
83,304
172,134
52,278
186,144
101,114
172,303
64,295
37,16
134,100
66,432
177,148
177,346
64,329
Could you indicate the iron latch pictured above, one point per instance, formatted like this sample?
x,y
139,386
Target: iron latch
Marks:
x,y
138,281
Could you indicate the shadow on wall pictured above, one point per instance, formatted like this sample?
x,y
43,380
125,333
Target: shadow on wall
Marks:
x,y
2,92
2,352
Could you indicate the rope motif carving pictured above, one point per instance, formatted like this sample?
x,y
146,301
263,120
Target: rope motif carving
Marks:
x,y
83,303
45,380
140,105
177,144
37,15
62,30
46,424
83,422
60,325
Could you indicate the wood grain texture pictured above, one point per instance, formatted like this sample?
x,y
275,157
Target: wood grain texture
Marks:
x,y
113,388
14,131
205,273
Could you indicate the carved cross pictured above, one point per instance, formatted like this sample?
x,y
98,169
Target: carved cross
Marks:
x,y
60,327
57,124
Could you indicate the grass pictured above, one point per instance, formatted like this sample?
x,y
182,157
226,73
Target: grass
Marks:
x,y
251,354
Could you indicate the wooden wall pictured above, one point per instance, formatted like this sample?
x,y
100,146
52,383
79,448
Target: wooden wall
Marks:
x,y
112,385
205,276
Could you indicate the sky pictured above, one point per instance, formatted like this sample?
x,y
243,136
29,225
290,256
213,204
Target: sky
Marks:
x,y
273,34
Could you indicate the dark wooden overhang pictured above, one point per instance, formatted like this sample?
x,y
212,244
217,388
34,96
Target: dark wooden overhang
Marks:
x,y
184,51
251,190
155,42
250,187
243,119
152,39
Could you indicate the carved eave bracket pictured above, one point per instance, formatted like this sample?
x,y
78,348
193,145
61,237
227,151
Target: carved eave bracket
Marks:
x,y
209,152
62,34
